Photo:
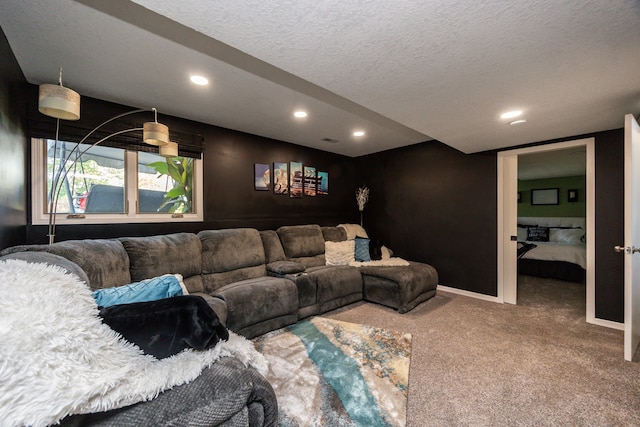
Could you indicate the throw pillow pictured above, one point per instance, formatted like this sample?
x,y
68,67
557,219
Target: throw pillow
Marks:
x,y
362,250
537,234
160,287
375,249
166,327
339,253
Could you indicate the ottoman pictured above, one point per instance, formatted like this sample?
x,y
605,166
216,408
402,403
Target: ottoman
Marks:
x,y
399,287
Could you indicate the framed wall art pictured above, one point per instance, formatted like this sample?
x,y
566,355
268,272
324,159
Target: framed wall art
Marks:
x,y
261,177
295,179
545,196
323,183
280,178
310,179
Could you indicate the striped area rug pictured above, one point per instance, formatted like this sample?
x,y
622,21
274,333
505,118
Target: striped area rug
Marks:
x,y
331,373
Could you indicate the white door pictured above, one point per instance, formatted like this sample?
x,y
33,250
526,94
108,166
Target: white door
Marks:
x,y
631,236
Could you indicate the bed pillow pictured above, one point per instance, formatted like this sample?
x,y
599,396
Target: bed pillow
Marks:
x,y
522,233
538,234
339,253
566,235
362,250
166,286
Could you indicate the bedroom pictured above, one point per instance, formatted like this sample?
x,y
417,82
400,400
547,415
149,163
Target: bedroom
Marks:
x,y
552,213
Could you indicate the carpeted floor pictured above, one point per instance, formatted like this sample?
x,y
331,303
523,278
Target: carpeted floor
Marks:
x,y
478,363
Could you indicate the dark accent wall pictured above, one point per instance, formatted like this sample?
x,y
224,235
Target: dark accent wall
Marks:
x,y
432,203
229,196
609,293
13,148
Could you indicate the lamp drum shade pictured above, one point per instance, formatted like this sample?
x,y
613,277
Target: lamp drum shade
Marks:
x,y
59,102
170,149
154,133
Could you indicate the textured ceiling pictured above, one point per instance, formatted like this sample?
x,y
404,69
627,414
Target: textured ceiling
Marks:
x,y
403,71
553,164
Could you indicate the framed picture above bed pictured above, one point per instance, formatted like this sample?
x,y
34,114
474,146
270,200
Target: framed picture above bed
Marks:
x,y
545,196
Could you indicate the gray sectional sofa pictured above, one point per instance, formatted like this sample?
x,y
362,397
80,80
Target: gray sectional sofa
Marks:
x,y
256,282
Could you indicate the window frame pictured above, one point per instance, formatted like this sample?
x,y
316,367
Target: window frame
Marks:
x,y
39,216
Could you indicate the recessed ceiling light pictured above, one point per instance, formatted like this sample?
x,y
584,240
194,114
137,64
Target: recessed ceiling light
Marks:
x,y
300,114
511,114
358,133
517,122
200,80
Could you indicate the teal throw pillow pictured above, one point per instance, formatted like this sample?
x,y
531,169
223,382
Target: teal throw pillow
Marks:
x,y
362,250
161,287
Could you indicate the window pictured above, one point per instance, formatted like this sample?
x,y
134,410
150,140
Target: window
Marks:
x,y
110,185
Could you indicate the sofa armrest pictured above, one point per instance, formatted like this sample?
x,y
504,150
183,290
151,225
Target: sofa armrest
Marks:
x,y
218,305
283,268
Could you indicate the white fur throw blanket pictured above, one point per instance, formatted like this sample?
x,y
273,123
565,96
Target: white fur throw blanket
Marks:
x,y
57,358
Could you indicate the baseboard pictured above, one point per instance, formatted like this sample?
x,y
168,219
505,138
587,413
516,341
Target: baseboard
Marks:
x,y
468,294
607,324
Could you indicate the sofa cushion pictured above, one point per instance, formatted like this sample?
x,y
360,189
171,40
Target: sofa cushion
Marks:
x,y
231,255
272,247
334,234
250,302
104,260
178,253
301,240
303,243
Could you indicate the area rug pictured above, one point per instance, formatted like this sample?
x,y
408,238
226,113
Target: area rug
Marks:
x,y
331,373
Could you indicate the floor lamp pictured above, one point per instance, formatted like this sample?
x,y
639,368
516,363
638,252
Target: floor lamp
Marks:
x,y
63,103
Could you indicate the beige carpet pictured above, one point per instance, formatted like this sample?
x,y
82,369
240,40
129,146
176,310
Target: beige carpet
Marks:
x,y
478,363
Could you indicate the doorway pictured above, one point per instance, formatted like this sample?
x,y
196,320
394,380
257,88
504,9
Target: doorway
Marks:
x,y
508,216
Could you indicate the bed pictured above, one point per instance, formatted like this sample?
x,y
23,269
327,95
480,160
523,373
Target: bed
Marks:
x,y
552,247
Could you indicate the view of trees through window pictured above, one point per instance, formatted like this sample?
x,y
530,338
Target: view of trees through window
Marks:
x,y
96,182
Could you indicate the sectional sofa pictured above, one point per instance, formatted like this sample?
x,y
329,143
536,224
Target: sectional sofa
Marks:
x,y
255,281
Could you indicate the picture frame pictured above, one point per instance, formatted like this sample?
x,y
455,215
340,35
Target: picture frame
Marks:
x,y
519,196
572,195
295,179
323,184
281,178
261,177
545,196
310,181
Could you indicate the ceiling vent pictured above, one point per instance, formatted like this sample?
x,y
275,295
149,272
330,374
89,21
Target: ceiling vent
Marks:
x,y
331,140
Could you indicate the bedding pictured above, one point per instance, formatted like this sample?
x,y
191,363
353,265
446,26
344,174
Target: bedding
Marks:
x,y
552,247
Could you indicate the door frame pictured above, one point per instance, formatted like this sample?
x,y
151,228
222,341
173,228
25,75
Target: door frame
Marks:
x,y
507,221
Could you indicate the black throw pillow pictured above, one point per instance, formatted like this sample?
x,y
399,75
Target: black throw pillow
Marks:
x,y
537,234
166,327
375,249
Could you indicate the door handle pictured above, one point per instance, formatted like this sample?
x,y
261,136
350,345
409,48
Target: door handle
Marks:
x,y
629,249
